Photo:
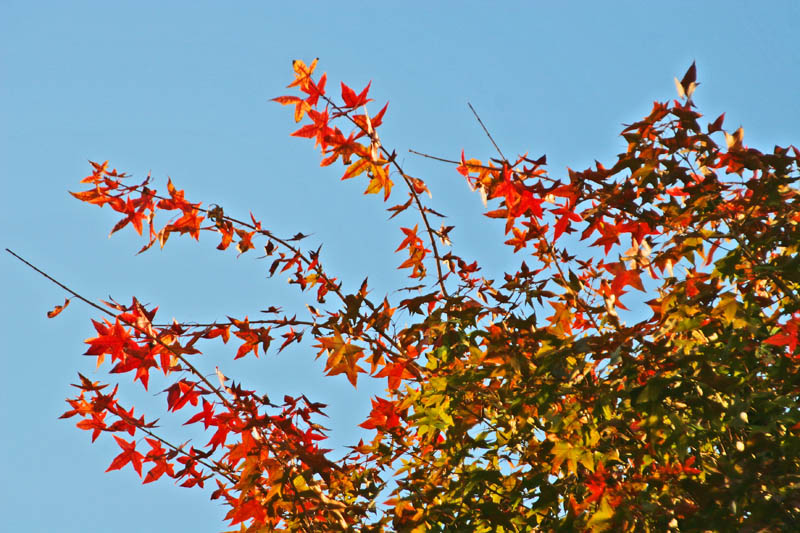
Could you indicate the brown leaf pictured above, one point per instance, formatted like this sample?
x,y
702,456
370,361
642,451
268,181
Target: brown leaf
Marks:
x,y
57,309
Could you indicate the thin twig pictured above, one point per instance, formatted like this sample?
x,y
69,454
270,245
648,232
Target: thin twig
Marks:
x,y
73,293
442,159
487,131
276,322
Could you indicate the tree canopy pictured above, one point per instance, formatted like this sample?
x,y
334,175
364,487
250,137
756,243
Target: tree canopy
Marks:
x,y
538,401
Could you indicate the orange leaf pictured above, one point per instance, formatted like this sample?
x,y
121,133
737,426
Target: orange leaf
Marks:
x,y
57,309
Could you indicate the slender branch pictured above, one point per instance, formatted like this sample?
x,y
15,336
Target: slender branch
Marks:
x,y
73,293
487,132
442,159
474,165
277,322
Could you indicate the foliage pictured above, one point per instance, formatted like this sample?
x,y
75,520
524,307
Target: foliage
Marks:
x,y
533,402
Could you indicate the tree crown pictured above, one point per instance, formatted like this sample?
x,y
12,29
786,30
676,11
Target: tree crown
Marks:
x,y
533,402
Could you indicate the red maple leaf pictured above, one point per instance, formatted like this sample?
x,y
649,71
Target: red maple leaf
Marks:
x,y
206,415
181,393
623,278
352,100
788,335
384,415
96,424
128,455
567,215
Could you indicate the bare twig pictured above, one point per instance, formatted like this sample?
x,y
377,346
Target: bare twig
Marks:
x,y
442,159
73,293
487,132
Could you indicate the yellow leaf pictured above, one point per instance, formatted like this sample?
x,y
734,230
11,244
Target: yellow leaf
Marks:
x,y
300,484
601,518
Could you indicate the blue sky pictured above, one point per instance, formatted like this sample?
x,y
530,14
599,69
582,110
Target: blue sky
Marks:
x,y
182,89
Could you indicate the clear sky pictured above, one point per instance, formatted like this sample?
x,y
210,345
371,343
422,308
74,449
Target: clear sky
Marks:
x,y
182,89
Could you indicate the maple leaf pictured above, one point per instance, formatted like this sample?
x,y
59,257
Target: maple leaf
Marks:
x,y
385,415
96,424
734,141
88,385
128,455
568,215
379,180
788,335
94,196
351,99
183,392
397,209
357,168
302,73
411,238
135,216
227,236
687,84
562,316
623,277
218,331
395,373
468,166
111,340
367,123
176,200
301,107
688,468
252,337
338,146
245,240
610,236
343,357
221,435
565,452
414,304
597,484
206,415
157,455
319,129
161,467
528,204
189,222
520,239
717,124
